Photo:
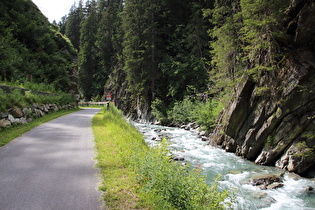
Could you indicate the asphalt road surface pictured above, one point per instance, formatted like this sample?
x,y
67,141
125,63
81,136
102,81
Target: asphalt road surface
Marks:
x,y
52,167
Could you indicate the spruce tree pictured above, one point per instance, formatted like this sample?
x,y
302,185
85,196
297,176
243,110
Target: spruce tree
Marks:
x,y
73,24
88,60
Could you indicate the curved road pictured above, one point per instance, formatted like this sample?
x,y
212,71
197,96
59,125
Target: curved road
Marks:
x,y
52,167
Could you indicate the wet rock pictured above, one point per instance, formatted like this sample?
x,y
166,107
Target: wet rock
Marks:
x,y
310,190
178,158
156,139
267,182
274,185
202,133
203,138
235,172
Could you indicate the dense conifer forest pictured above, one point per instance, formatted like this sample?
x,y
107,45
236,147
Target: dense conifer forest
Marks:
x,y
169,57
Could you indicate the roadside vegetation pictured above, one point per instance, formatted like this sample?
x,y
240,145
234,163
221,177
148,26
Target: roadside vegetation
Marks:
x,y
9,134
136,176
18,98
204,113
42,87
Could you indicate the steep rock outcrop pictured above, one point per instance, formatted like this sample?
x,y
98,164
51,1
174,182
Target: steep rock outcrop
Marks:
x,y
137,109
276,126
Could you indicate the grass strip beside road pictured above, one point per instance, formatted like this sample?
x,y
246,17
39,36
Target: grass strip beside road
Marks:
x,y
116,141
136,176
11,133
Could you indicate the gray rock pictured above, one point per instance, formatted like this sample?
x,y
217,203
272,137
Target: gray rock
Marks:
x,y
274,185
26,111
5,123
16,112
265,180
4,114
11,118
202,133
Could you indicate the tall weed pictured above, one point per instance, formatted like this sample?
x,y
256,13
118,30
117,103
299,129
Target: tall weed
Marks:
x,y
173,186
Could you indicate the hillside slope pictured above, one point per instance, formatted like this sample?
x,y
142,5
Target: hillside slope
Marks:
x,y
32,49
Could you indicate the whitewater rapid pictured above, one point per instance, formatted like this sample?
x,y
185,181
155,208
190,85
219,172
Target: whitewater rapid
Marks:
x,y
235,173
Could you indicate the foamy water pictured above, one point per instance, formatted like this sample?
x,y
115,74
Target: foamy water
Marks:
x,y
235,172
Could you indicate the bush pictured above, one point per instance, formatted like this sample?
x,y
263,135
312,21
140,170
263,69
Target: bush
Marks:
x,y
169,185
204,113
17,98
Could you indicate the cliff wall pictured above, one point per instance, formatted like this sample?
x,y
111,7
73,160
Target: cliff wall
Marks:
x,y
276,125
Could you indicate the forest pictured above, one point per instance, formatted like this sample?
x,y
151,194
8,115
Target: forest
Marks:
x,y
173,61
242,69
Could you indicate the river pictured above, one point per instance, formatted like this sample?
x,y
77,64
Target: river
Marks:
x,y
235,172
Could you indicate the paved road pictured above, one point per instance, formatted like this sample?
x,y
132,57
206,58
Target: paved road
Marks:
x,y
51,167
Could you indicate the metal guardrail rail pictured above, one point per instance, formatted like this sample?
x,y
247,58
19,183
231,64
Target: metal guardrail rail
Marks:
x,y
92,103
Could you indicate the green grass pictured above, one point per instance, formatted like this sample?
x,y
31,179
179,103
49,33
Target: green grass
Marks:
x,y
138,177
9,134
116,141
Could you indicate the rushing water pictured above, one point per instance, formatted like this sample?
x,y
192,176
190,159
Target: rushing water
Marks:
x,y
235,172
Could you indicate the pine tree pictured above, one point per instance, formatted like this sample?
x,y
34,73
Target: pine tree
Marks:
x,y
140,54
73,24
88,61
107,35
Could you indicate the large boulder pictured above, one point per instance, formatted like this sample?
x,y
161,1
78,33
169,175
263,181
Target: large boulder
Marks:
x,y
267,181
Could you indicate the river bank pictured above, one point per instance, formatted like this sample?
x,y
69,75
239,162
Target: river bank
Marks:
x,y
236,173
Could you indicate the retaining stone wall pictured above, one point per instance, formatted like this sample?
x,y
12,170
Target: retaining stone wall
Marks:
x,y
17,116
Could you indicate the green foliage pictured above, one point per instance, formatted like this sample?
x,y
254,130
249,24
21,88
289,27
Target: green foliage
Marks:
x,y
243,42
204,113
207,113
32,49
136,176
172,186
183,111
88,66
17,98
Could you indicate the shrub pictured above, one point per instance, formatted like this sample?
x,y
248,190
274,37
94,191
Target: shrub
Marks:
x,y
204,113
17,98
172,186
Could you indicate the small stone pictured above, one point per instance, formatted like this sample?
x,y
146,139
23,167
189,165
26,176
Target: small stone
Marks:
x,y
5,123
204,138
202,133
178,158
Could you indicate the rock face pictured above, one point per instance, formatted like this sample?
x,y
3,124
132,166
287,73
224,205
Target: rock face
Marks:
x,y
277,126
